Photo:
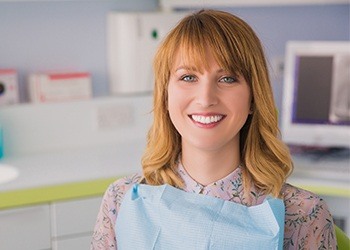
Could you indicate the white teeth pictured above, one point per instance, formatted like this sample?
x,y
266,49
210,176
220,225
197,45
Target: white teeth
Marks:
x,y
207,119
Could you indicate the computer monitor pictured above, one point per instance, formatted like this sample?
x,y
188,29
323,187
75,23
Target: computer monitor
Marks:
x,y
316,94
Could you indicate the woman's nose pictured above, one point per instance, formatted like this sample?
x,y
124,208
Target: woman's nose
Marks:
x,y
207,95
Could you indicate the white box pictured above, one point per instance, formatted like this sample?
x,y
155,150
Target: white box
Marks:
x,y
57,87
132,41
8,87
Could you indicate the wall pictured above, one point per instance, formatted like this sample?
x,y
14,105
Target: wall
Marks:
x,y
277,25
71,35
59,35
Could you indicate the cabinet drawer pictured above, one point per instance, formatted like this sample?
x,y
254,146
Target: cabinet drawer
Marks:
x,y
25,228
74,217
79,243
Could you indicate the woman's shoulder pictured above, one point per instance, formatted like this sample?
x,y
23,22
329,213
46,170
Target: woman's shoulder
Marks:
x,y
117,190
300,197
289,189
303,205
122,185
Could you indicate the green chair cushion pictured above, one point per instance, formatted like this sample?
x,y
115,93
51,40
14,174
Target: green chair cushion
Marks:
x,y
342,239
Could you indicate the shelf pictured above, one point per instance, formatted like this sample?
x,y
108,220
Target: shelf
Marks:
x,y
53,193
175,4
37,1
322,187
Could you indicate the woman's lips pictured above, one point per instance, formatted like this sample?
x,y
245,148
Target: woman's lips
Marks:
x,y
207,120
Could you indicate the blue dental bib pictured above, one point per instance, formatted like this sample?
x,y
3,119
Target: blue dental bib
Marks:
x,y
167,218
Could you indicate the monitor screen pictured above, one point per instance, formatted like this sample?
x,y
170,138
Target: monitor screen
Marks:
x,y
316,94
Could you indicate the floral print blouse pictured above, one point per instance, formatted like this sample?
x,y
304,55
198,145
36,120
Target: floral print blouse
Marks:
x,y
308,222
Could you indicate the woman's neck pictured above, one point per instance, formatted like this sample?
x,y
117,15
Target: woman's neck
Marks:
x,y
209,166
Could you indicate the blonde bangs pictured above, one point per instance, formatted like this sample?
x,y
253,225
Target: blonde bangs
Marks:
x,y
191,47
192,42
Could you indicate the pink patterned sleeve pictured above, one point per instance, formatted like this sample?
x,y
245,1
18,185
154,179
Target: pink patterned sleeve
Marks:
x,y
308,222
319,230
104,232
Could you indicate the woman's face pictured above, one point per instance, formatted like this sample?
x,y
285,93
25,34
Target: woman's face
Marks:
x,y
208,107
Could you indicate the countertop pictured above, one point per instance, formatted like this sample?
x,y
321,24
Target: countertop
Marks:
x,y
69,174
85,172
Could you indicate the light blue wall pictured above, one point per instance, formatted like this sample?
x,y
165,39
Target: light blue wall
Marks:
x,y
60,35
72,35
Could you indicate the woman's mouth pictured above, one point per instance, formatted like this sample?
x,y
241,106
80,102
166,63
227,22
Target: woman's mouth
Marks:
x,y
207,120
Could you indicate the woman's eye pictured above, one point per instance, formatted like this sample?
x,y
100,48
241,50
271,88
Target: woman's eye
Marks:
x,y
188,78
228,79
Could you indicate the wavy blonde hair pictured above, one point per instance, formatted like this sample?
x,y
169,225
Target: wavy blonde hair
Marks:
x,y
265,159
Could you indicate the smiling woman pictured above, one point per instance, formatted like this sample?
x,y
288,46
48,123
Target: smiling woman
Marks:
x,y
214,169
199,42
217,102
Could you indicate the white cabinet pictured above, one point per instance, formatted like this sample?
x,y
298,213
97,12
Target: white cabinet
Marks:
x,y
82,242
66,225
73,223
25,228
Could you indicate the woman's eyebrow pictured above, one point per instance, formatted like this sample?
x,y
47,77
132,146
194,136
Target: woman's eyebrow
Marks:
x,y
221,71
186,68
195,69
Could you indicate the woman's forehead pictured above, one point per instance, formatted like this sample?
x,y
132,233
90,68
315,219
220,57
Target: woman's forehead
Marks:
x,y
200,61
192,58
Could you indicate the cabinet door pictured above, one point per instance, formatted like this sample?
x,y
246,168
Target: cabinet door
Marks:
x,y
25,228
78,243
74,218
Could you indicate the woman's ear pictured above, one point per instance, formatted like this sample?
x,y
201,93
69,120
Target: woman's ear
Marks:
x,y
251,109
166,99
